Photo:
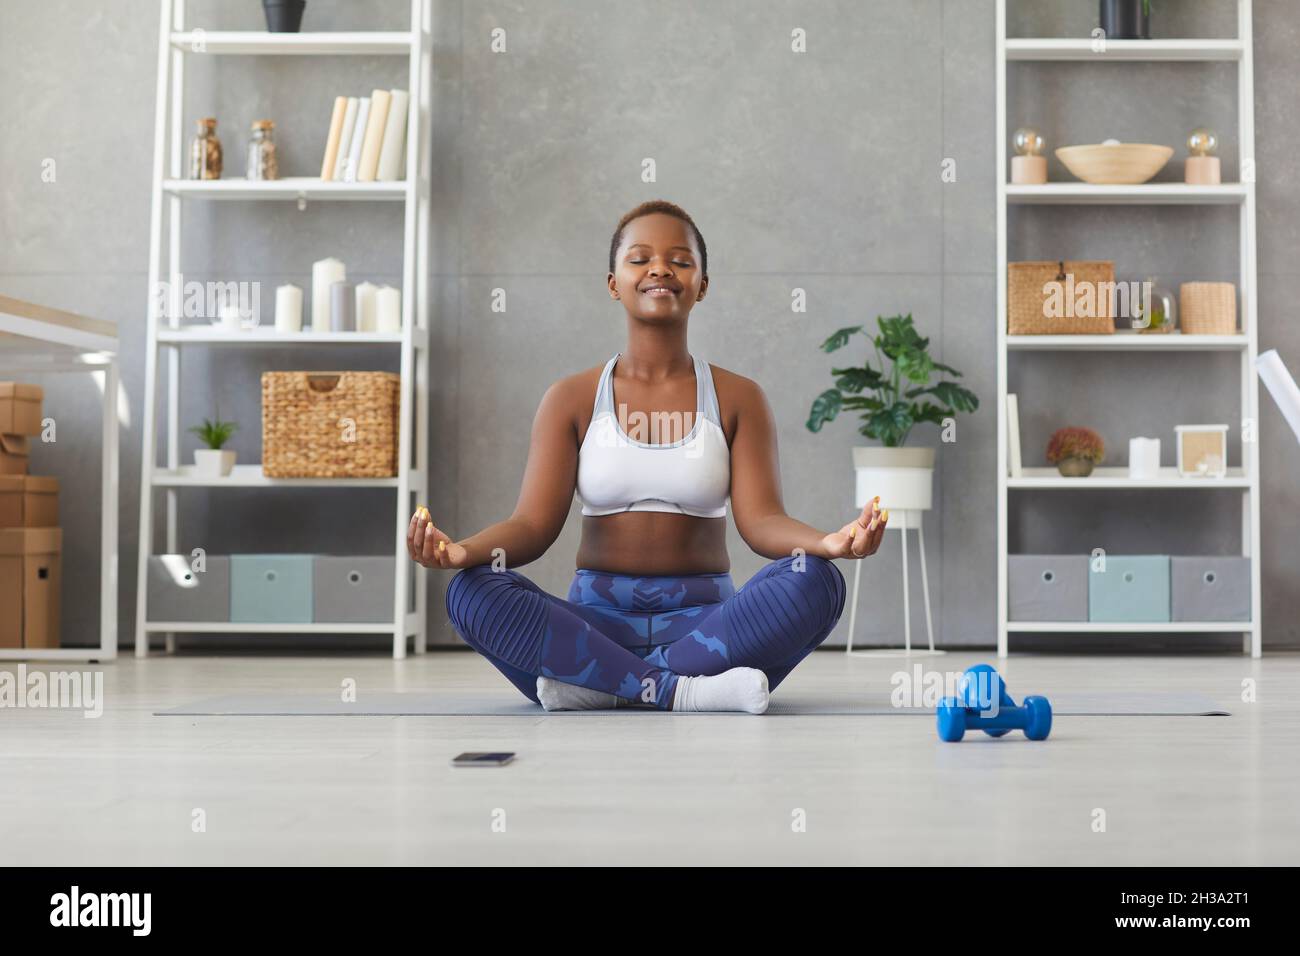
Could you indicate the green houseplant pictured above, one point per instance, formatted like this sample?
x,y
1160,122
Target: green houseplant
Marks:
x,y
897,396
891,396
214,461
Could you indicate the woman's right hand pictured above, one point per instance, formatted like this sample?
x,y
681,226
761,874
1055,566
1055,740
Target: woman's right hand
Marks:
x,y
430,547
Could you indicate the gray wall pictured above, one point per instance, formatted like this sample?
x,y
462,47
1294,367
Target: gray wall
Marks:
x,y
818,171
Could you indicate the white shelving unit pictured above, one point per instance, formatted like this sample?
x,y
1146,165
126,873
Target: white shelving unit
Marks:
x,y
1245,478
166,338
40,340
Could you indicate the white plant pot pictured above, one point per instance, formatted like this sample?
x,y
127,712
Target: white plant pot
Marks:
x,y
903,477
209,463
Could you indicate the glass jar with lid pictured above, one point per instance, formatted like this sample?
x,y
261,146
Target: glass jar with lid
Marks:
x,y
205,150
262,162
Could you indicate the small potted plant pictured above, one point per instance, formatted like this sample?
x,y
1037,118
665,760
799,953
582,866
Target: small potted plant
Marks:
x,y
1074,451
214,461
892,396
283,16
1126,19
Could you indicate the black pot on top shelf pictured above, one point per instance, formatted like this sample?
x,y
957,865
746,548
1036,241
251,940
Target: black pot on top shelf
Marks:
x,y
283,16
1126,19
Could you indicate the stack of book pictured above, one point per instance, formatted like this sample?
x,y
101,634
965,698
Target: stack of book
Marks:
x,y
367,138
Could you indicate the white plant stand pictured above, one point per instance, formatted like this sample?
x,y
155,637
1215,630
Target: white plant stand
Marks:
x,y
906,521
166,338
40,340
1242,195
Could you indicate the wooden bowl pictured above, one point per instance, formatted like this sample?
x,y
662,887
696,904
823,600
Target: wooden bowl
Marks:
x,y
1115,163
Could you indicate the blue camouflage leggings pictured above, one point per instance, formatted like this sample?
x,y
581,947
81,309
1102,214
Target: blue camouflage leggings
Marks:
x,y
633,636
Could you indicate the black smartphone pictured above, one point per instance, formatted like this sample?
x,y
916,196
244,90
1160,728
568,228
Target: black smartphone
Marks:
x,y
474,759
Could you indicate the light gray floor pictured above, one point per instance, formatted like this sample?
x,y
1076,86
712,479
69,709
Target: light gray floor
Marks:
x,y
122,789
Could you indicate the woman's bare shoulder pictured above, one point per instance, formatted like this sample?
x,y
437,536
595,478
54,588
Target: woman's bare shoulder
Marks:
x,y
579,385
738,397
735,389
573,396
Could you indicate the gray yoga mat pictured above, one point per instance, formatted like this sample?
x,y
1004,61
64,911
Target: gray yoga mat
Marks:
x,y
439,704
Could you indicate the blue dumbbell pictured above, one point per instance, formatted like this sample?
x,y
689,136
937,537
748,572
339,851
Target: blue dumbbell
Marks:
x,y
979,687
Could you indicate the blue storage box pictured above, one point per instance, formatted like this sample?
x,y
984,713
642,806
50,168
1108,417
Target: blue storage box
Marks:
x,y
1133,589
270,588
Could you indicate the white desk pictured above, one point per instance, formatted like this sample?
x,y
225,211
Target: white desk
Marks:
x,y
36,339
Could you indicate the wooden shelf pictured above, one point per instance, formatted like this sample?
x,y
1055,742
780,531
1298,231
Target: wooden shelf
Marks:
x,y
256,42
1082,49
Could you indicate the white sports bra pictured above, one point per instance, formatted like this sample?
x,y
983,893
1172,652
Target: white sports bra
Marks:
x,y
617,472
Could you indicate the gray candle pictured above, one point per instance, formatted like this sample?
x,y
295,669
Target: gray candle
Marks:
x,y
341,314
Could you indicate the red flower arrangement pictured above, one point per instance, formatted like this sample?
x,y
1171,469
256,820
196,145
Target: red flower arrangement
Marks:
x,y
1074,442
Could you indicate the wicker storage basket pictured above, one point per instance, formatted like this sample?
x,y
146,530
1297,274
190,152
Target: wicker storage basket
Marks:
x,y
329,424
1028,303
1207,308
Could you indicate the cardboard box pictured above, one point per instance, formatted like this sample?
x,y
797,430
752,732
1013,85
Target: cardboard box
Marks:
x,y
20,408
29,586
29,502
14,450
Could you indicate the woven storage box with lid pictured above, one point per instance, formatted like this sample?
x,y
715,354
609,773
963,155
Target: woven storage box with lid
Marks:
x,y
329,424
1208,308
1048,297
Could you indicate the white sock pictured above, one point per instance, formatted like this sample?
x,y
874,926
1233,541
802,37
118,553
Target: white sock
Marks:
x,y
557,695
739,689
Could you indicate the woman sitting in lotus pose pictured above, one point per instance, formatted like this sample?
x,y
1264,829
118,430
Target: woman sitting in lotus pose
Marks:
x,y
652,616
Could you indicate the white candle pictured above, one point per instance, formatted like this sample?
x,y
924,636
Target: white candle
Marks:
x,y
366,308
231,320
323,275
388,309
288,308
1144,458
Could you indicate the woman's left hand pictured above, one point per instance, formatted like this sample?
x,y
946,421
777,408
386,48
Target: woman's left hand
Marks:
x,y
861,536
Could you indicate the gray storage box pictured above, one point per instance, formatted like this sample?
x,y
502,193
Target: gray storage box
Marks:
x,y
352,590
1210,588
177,593
270,588
1047,587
